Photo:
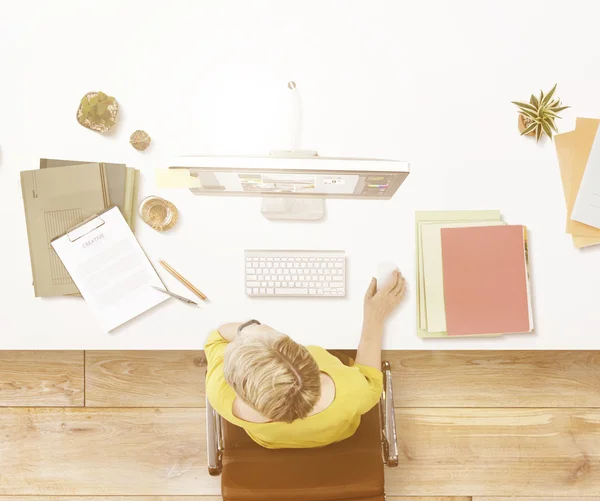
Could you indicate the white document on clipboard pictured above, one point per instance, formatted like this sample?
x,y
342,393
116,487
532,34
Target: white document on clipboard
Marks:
x,y
110,269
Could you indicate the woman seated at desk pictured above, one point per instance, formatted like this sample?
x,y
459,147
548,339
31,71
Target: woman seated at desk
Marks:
x,y
289,396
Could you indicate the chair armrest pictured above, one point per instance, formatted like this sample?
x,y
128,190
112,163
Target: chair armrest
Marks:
x,y
214,440
389,440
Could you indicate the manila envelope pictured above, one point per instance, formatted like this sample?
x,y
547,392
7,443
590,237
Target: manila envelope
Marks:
x,y
55,200
573,149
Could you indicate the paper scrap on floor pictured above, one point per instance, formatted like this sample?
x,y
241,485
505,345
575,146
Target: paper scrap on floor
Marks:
x,y
110,269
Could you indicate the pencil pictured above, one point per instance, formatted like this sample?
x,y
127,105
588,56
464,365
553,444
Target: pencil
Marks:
x,y
182,279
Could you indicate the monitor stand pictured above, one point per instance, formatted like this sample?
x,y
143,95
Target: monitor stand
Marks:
x,y
303,209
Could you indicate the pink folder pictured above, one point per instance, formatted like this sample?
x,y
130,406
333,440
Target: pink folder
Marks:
x,y
485,280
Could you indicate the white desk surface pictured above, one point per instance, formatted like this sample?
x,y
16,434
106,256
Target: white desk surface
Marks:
x,y
428,82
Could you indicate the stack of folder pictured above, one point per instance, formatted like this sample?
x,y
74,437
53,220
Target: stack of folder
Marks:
x,y
472,275
576,161
62,194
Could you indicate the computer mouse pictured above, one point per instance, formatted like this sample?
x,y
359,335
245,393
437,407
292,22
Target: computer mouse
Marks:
x,y
384,272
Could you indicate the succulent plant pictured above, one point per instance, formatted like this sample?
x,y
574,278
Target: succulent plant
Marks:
x,y
538,115
97,111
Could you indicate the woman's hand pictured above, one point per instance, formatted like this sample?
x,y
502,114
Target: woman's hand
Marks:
x,y
379,304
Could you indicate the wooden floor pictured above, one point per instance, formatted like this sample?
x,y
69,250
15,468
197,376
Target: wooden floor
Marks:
x,y
481,426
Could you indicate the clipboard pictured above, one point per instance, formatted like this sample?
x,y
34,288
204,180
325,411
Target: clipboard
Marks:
x,y
73,235
110,268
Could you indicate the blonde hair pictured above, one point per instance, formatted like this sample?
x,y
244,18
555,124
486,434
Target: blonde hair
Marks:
x,y
273,374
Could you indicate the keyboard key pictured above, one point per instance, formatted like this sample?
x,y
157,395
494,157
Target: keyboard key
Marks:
x,y
273,271
279,271
249,291
250,277
296,265
294,271
270,291
327,271
252,284
312,291
336,284
248,264
304,259
319,291
250,271
339,265
286,272
263,284
314,278
280,277
311,284
277,284
262,258
329,265
326,259
297,259
319,284
284,284
271,284
267,277
295,292
254,290
263,291
304,284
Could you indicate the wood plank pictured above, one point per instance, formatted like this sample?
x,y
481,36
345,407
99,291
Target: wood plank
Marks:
x,y
145,379
41,378
430,498
117,498
495,378
497,452
104,452
492,498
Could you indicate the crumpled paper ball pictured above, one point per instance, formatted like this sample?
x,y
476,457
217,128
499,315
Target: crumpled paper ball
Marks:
x,y
140,140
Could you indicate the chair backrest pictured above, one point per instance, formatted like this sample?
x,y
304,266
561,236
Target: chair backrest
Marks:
x,y
350,469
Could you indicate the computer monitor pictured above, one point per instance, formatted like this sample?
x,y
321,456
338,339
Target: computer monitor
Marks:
x,y
292,187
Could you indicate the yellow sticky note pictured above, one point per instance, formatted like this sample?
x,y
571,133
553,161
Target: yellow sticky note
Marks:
x,y
176,178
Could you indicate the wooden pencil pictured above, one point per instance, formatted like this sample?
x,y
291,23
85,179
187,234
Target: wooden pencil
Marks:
x,y
182,279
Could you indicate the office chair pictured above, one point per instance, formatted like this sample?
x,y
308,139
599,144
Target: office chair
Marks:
x,y
347,470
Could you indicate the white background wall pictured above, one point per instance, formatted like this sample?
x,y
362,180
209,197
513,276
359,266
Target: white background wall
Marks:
x,y
428,81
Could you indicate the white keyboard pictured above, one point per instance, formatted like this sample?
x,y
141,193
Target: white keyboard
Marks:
x,y
295,273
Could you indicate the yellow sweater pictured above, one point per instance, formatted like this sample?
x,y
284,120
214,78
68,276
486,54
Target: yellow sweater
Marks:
x,y
357,390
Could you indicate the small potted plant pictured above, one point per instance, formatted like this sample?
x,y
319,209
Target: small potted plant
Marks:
x,y
536,117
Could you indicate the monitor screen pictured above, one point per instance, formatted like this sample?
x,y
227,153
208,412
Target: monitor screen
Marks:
x,y
281,177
